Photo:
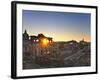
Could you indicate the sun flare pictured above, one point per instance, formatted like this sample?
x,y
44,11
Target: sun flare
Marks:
x,y
45,41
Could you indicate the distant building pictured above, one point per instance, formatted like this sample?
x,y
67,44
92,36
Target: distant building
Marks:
x,y
27,49
39,38
83,42
25,35
32,44
34,38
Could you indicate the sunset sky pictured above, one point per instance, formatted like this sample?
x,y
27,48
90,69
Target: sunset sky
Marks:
x,y
61,26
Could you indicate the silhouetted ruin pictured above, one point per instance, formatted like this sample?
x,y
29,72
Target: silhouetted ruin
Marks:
x,y
42,52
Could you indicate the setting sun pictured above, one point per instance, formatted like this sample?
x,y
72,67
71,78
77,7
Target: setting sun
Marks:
x,y
45,41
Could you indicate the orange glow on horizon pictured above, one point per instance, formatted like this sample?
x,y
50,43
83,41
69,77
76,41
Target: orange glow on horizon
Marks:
x,y
71,37
66,37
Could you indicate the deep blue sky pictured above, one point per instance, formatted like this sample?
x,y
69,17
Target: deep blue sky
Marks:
x,y
62,26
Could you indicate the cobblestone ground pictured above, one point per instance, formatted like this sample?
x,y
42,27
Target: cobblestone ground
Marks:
x,y
67,58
